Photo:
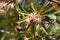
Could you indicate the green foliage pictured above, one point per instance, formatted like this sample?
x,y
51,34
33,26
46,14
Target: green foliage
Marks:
x,y
42,20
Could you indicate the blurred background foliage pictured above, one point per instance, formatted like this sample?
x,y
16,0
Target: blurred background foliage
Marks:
x,y
29,19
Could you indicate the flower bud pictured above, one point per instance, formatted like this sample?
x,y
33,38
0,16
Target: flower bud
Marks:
x,y
19,28
27,22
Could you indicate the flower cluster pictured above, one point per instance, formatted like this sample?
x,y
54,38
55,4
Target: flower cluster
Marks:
x,y
4,7
34,16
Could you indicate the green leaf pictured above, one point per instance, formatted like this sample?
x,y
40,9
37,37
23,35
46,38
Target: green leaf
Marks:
x,y
49,11
33,6
18,1
44,28
33,29
52,16
44,9
18,9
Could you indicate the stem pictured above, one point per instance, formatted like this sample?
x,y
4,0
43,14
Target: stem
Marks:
x,y
34,37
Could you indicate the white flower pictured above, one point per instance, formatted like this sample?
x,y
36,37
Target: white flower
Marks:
x,y
25,38
12,5
34,16
27,22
